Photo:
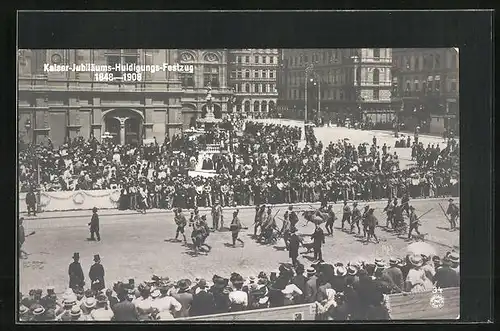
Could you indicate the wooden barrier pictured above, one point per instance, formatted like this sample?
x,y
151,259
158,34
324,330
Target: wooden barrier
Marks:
x,y
412,306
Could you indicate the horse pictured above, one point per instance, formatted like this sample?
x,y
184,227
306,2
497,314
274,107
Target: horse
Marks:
x,y
314,216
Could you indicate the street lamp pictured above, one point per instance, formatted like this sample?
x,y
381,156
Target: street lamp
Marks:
x,y
308,70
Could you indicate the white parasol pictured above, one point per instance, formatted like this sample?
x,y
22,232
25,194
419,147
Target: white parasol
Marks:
x,y
421,248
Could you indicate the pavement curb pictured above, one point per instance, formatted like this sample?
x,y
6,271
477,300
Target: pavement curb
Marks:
x,y
203,209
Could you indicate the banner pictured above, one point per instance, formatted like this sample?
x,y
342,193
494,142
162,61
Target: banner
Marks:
x,y
74,200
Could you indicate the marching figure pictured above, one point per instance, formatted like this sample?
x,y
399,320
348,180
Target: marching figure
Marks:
x,y
94,225
372,223
413,222
235,228
31,201
346,216
356,217
398,222
285,230
22,238
206,231
389,210
405,203
181,222
318,238
96,274
365,221
453,211
259,220
217,216
75,272
294,219
293,245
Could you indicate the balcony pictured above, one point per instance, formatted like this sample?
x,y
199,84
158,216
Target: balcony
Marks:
x,y
371,83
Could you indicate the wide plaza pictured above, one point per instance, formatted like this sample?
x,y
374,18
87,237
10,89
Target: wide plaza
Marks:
x,y
138,246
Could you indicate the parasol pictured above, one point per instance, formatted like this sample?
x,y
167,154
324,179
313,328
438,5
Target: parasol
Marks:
x,y
421,248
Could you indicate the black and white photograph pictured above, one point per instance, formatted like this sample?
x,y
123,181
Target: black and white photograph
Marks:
x,y
292,184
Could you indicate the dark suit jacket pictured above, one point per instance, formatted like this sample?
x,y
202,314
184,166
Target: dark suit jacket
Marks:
x,y
446,277
311,289
124,312
203,304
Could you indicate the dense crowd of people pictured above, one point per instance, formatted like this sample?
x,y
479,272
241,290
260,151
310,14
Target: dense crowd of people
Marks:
x,y
354,291
264,165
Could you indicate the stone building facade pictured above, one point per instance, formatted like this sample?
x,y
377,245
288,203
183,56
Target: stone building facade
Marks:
x,y
354,82
253,75
66,104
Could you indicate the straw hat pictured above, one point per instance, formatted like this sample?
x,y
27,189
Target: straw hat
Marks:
x,y
76,311
340,271
89,302
38,310
155,294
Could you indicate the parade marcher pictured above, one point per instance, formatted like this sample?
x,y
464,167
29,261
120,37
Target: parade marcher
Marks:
x,y
197,235
294,243
330,220
372,223
22,239
413,223
31,201
356,217
389,211
365,221
94,225
285,229
235,228
405,203
205,231
292,216
398,222
346,216
217,216
318,238
453,211
75,272
259,219
96,274
181,222
268,227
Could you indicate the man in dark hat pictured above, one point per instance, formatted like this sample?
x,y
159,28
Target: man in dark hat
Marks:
x,y
75,272
31,201
285,229
94,225
389,211
203,301
346,215
372,223
184,297
96,274
453,211
398,221
413,223
217,216
356,217
181,222
364,220
235,228
318,238
446,276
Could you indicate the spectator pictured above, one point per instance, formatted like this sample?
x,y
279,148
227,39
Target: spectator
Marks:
x,y
417,281
184,297
446,276
203,300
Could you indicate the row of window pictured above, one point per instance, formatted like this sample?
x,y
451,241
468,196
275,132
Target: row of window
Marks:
x,y
435,85
255,88
262,59
328,56
330,94
256,73
263,106
425,62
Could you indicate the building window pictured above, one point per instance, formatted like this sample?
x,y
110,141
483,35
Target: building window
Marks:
x,y
271,88
211,75
271,74
376,94
247,59
376,76
271,59
256,88
376,53
256,74
453,86
256,106
120,58
264,106
238,73
233,73
306,58
437,61
256,59
247,88
235,87
238,59
247,73
187,79
417,63
264,74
